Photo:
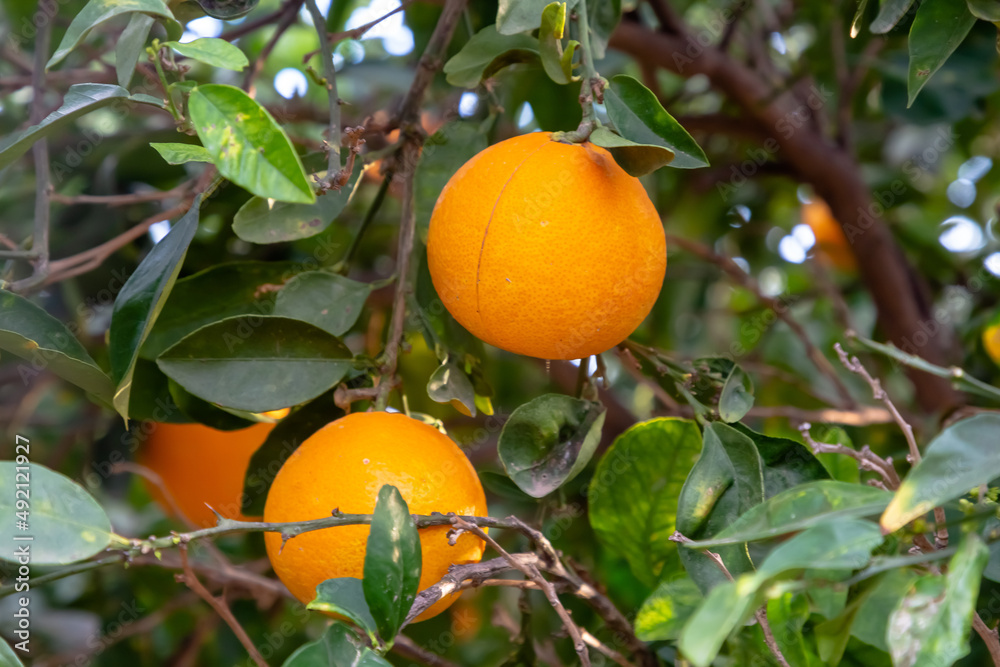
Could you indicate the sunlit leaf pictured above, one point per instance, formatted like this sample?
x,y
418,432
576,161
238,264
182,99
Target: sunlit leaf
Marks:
x,y
212,51
97,12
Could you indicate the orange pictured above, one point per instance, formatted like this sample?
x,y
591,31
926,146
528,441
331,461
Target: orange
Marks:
x,y
546,249
831,243
343,466
200,465
991,341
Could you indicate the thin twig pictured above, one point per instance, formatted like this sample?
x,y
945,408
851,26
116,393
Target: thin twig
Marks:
x,y
221,608
741,277
333,101
124,200
288,13
866,458
990,637
411,650
249,26
603,649
532,572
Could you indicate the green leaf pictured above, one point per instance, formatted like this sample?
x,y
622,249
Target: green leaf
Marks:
x,y
329,301
722,611
514,16
140,300
788,613
32,334
636,159
131,45
931,625
488,52
444,153
225,290
604,16
97,12
257,362
64,522
736,398
871,622
280,443
449,384
638,116
832,636
799,508
247,144
212,51
633,494
787,463
937,30
7,656
889,14
262,220
987,10
548,441
204,412
667,609
726,482
345,596
337,647
81,99
960,458
175,153
392,562
843,543
558,65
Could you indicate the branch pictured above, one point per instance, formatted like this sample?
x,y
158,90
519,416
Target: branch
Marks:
x,y
896,290
411,650
866,458
330,77
741,277
288,14
191,579
989,636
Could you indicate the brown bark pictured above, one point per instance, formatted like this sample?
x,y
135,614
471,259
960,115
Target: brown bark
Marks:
x,y
903,307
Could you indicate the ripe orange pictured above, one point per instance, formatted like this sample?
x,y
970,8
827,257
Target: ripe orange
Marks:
x,y
991,341
200,465
343,466
833,246
546,249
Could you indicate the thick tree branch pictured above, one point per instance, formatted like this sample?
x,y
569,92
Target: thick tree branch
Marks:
x,y
899,295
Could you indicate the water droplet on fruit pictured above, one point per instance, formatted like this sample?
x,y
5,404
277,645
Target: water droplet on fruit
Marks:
x,y
365,461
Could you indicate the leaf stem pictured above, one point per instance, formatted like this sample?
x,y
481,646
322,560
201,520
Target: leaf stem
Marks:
x,y
591,79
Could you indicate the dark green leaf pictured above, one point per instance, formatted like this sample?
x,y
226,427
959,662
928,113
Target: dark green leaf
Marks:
x,y
140,300
130,46
843,543
558,65
636,159
736,398
604,16
987,10
175,153
500,485
329,301
392,562
257,362
227,10
548,441
833,635
280,443
338,647
667,609
787,463
212,51
788,614
514,16
204,412
65,523
889,14
871,622
638,116
150,399
488,52
262,220
800,507
247,144
81,99
97,12
931,625
960,458
633,494
444,153
32,334
226,290
937,30
725,483
345,596
450,384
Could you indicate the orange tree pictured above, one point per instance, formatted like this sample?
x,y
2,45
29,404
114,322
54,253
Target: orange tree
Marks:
x,y
778,447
